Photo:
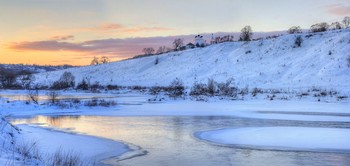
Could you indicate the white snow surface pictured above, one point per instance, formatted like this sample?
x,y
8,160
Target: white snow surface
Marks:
x,y
272,63
88,148
282,138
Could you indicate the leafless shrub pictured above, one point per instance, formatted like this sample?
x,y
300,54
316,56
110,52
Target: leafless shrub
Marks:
x,y
199,89
106,103
244,91
275,91
148,50
303,94
178,43
227,88
255,91
321,94
336,25
271,97
176,88
211,87
53,96
33,95
294,30
298,41
320,27
138,88
83,85
156,61
155,90
99,102
96,87
342,98
113,87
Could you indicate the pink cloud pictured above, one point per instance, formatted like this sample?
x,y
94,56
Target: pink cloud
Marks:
x,y
117,48
122,28
339,9
104,27
66,37
142,29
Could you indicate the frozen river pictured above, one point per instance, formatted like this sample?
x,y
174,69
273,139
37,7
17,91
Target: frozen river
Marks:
x,y
170,140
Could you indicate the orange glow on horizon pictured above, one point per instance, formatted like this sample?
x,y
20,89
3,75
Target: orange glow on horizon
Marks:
x,y
47,57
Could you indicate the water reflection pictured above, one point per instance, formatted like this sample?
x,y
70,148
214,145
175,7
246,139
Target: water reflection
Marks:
x,y
44,96
170,141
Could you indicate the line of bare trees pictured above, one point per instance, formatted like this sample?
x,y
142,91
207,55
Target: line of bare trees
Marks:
x,y
101,60
323,26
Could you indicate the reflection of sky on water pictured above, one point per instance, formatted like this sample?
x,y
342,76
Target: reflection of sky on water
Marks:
x,y
170,140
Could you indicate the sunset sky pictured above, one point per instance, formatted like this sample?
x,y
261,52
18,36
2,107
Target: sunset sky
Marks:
x,y
73,31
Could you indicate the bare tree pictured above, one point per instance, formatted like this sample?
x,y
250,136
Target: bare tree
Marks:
x,y
178,43
33,95
346,21
294,30
176,88
53,96
69,78
320,27
104,60
148,51
161,50
336,25
246,34
66,80
94,61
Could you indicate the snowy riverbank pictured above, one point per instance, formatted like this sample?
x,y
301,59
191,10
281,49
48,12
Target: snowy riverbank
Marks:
x,y
137,104
28,145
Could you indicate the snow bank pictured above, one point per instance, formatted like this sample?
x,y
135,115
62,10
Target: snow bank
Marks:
x,y
87,147
8,134
282,138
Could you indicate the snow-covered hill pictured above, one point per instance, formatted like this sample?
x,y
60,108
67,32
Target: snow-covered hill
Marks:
x,y
321,61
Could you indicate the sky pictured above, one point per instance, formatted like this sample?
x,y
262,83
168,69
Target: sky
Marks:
x,y
54,32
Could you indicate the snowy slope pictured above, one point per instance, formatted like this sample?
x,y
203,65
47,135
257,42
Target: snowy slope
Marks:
x,y
272,63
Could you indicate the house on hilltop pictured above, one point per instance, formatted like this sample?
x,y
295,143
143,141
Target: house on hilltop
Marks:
x,y
199,41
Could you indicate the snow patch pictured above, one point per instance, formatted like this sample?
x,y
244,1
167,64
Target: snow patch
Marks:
x,y
282,138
